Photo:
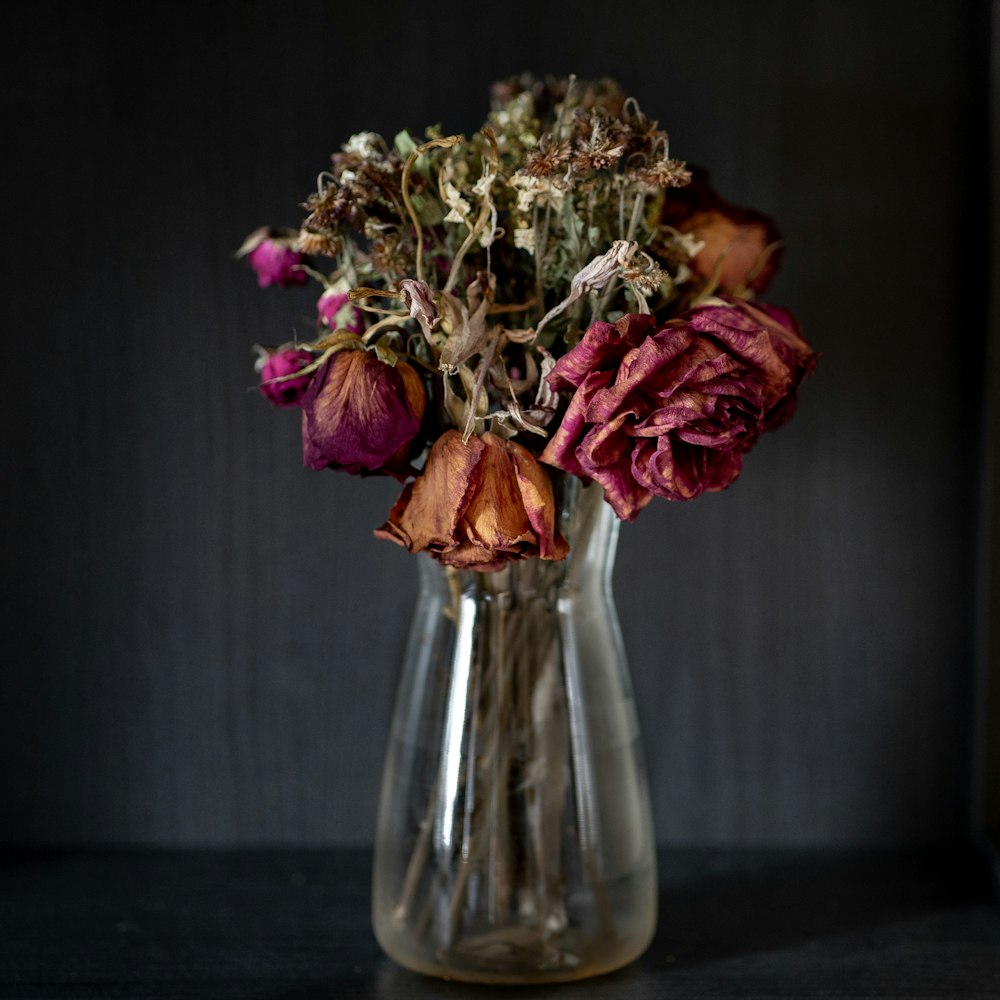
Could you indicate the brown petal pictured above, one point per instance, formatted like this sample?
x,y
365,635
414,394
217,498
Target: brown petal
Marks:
x,y
495,517
539,502
440,496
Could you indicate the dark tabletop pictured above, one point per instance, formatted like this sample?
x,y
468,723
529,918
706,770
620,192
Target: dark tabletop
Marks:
x,y
293,925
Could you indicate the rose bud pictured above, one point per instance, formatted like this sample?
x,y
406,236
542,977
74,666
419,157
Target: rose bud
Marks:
x,y
278,364
670,412
272,254
362,415
336,312
477,505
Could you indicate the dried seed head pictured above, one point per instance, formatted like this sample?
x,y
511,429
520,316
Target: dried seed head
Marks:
x,y
600,141
323,244
549,157
663,174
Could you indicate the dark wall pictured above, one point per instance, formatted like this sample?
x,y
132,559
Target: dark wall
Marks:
x,y
203,638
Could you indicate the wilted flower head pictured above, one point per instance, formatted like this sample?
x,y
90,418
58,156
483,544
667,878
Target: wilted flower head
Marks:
x,y
277,365
335,311
670,410
742,243
272,254
741,238
362,415
477,505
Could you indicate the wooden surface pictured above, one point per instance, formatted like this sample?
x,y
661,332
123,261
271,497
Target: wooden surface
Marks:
x,y
201,638
286,925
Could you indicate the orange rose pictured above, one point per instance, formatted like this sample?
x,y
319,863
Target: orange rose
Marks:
x,y
477,505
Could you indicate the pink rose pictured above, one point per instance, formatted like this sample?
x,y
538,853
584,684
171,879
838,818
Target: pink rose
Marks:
x,y
670,411
362,415
272,254
281,363
336,312
477,505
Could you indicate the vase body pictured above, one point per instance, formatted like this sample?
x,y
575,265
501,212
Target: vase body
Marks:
x,y
514,840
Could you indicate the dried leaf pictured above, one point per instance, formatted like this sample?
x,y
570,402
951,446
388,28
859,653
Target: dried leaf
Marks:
x,y
593,277
469,332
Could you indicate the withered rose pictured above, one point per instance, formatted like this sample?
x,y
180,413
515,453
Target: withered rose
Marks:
x,y
362,415
477,505
335,311
670,411
271,253
279,364
740,236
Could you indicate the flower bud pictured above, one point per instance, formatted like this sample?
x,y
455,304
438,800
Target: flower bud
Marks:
x,y
279,364
741,238
362,415
272,254
336,312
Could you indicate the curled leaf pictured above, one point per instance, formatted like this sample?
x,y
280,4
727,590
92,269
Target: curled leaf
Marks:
x,y
593,277
469,332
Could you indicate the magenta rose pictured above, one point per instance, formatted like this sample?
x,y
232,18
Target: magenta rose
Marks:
x,y
362,415
279,364
335,311
272,254
670,410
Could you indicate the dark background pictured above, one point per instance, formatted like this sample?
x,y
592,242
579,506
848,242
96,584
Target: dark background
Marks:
x,y
202,638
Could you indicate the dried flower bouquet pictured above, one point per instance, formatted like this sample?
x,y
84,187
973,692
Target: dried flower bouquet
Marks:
x,y
552,299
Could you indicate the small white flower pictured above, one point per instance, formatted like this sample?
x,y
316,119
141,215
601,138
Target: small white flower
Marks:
x,y
459,207
532,190
524,239
364,144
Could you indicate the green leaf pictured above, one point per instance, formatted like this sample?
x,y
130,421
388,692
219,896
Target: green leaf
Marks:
x,y
384,352
404,143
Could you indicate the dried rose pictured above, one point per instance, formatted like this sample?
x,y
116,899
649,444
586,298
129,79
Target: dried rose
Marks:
x,y
743,237
272,254
335,311
477,505
279,364
362,415
670,411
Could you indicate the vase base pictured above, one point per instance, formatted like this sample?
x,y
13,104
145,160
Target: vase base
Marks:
x,y
520,953
566,970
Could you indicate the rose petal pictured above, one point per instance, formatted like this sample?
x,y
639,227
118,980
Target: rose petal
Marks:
x,y
439,497
601,347
494,517
539,502
560,450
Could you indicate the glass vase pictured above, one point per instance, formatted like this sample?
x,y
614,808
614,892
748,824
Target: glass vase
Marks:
x,y
514,840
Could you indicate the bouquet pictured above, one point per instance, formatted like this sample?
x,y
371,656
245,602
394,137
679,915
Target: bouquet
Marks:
x,y
555,295
552,301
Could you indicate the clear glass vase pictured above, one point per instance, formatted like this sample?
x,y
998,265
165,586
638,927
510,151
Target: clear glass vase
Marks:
x,y
514,840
